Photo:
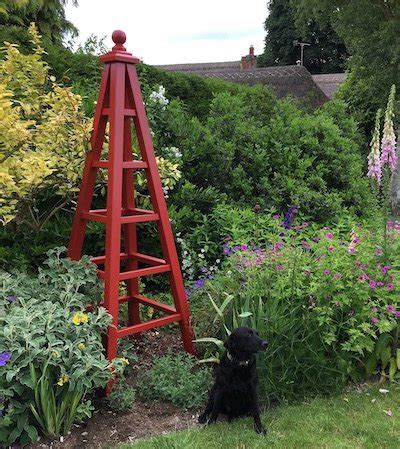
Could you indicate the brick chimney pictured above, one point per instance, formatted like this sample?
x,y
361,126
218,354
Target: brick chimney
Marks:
x,y
248,62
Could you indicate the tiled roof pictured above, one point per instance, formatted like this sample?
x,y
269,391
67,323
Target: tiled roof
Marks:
x,y
329,82
291,80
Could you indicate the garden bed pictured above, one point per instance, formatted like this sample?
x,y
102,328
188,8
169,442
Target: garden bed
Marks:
x,y
147,418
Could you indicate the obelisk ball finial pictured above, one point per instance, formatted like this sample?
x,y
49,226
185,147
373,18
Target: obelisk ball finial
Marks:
x,y
119,38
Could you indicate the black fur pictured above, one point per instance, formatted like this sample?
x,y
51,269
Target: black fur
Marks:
x,y
235,391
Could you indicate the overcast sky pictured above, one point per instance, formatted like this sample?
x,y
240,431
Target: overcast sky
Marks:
x,y
174,31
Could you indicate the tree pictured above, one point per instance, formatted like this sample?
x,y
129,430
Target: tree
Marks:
x,y
327,53
48,15
370,30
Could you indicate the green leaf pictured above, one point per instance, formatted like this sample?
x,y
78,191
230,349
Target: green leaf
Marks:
x,y
216,341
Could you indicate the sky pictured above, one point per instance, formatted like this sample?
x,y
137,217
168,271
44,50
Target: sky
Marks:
x,y
176,31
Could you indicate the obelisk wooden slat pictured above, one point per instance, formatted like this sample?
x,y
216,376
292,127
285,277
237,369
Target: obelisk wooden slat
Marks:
x,y
120,103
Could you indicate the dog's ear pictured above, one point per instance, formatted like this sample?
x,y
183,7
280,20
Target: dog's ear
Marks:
x,y
230,343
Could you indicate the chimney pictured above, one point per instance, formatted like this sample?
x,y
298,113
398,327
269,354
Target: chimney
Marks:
x,y
248,62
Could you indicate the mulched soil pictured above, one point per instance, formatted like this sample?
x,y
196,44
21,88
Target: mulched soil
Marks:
x,y
147,418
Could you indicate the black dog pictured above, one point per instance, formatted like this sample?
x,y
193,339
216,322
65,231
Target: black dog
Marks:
x,y
235,392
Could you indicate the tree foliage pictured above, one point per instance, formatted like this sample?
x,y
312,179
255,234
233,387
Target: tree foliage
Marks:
x,y
327,53
370,30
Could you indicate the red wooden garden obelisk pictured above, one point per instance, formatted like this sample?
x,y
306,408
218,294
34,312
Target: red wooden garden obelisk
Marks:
x,y
120,103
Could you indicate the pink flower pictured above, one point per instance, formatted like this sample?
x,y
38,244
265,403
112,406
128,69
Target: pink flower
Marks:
x,y
378,252
297,228
326,272
306,245
380,284
374,157
351,250
356,240
397,312
307,272
385,269
372,284
337,276
276,217
316,239
279,245
374,320
390,308
304,224
280,267
243,247
388,144
390,287
330,248
329,235
363,277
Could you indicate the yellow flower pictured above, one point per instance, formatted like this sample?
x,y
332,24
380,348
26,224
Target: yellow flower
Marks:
x,y
63,379
81,346
124,360
80,318
55,354
150,312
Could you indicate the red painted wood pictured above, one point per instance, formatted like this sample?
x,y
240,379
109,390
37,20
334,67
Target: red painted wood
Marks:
x,y
120,103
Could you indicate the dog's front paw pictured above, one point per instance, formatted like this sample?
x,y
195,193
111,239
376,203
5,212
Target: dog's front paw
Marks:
x,y
202,419
260,429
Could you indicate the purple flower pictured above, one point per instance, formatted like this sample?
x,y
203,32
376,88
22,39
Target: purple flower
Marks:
x,y
330,248
307,272
374,320
363,277
397,312
337,276
11,298
388,144
304,224
289,217
372,284
385,269
329,235
351,250
316,239
199,283
226,250
4,358
280,267
374,157
378,252
390,287
276,217
243,247
356,240
204,270
380,284
326,272
390,308
279,245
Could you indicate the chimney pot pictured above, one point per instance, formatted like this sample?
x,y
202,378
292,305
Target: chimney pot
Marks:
x,y
251,50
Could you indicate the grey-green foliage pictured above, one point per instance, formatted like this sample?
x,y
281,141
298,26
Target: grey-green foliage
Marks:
x,y
176,378
37,329
122,396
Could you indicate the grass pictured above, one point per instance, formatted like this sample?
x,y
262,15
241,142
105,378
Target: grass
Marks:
x,y
351,420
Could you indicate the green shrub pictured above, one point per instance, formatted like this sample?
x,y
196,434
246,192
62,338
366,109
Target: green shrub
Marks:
x,y
176,378
51,348
122,396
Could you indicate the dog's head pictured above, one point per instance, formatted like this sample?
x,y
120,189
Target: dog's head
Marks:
x,y
244,342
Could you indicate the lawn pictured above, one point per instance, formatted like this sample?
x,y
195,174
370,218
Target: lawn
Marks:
x,y
357,419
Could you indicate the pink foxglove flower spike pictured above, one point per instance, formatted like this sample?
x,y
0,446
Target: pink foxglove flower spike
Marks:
x,y
374,157
388,155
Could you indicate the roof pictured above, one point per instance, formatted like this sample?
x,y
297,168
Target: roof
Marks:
x,y
329,83
291,80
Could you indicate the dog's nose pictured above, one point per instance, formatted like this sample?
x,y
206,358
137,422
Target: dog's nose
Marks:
x,y
264,344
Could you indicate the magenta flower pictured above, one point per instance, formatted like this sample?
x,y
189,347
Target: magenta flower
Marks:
x,y
304,224
374,157
337,276
330,248
316,239
372,284
280,267
397,312
388,144
380,284
390,308
243,247
329,235
385,269
363,277
390,287
374,320
378,252
276,217
307,272
279,245
351,250
306,245
326,272
356,240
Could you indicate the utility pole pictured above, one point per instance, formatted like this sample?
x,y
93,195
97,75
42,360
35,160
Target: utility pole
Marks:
x,y
302,45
